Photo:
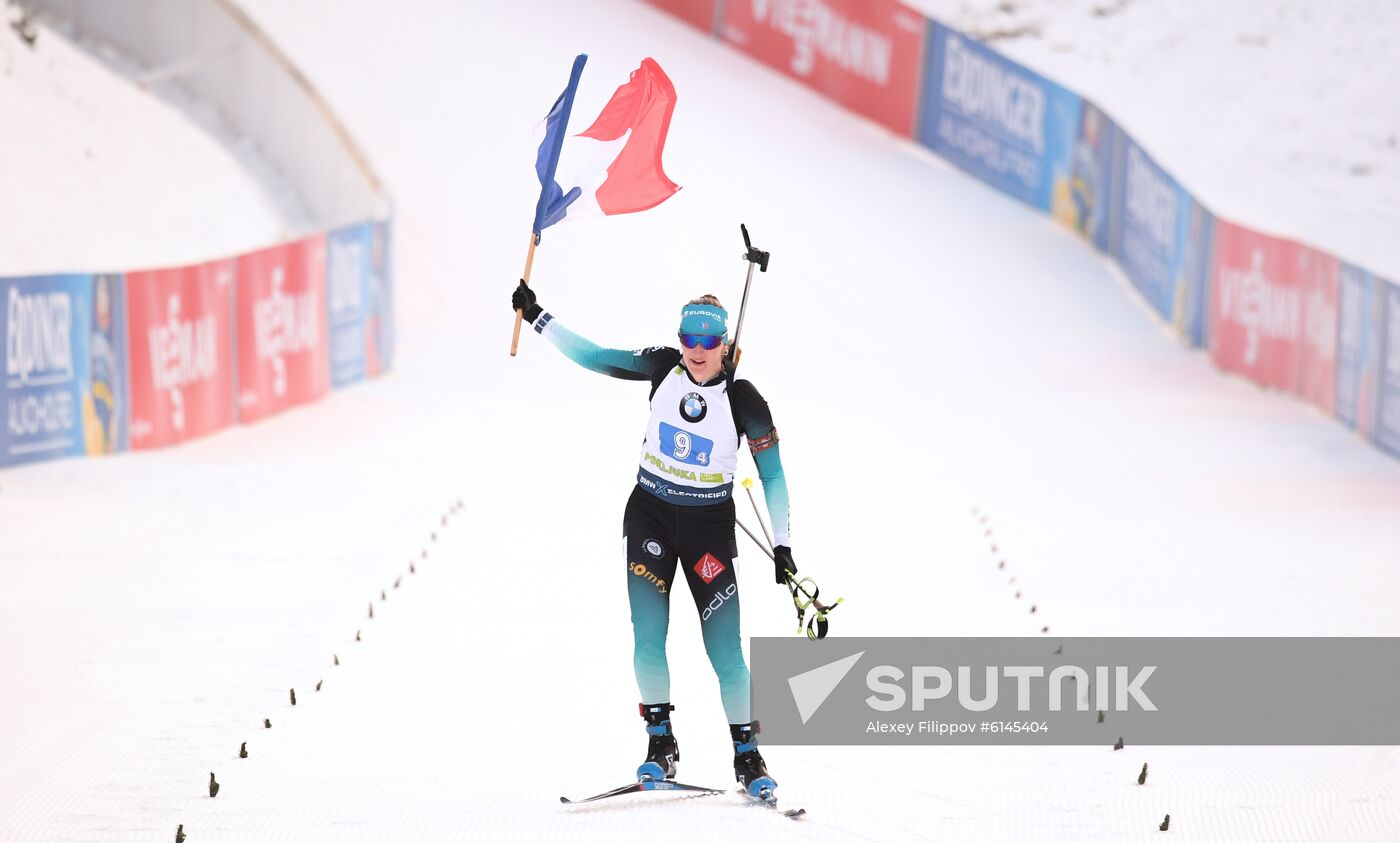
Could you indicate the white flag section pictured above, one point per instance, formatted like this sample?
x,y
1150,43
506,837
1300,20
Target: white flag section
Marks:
x,y
583,163
928,349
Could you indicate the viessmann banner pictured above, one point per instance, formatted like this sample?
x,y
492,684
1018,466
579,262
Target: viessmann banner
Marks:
x,y
1088,691
181,328
283,340
864,54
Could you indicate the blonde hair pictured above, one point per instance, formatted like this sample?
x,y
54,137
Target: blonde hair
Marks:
x,y
706,299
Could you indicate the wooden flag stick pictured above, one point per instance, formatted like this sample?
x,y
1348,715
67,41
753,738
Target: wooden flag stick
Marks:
x,y
520,314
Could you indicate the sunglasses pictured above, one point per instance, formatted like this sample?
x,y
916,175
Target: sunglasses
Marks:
x,y
705,341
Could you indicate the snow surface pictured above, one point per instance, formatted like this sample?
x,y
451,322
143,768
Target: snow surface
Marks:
x,y
100,174
1276,114
159,606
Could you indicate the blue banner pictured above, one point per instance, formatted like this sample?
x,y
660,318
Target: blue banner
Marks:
x,y
379,327
1152,221
1007,125
44,340
1083,194
1388,405
347,301
107,392
1358,349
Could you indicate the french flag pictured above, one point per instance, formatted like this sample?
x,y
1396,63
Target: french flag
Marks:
x,y
613,166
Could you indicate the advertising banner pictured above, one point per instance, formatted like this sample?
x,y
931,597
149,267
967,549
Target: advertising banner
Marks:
x,y
348,253
1192,293
1388,407
180,325
1084,189
864,54
1007,125
106,398
44,337
1318,276
698,13
1358,348
379,330
1256,313
283,342
1157,226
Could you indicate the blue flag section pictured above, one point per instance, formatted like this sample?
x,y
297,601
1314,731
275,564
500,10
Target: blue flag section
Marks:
x,y
347,301
44,337
1007,125
553,201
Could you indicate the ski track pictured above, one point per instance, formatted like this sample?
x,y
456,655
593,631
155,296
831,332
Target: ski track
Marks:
x,y
1130,488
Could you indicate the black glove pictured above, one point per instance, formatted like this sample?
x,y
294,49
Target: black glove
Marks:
x,y
524,299
782,558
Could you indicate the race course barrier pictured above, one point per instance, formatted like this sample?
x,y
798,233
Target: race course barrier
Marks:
x,y
1285,315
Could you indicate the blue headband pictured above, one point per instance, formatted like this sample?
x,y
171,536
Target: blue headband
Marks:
x,y
708,319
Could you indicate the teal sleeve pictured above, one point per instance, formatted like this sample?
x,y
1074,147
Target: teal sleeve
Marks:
x,y
617,363
770,471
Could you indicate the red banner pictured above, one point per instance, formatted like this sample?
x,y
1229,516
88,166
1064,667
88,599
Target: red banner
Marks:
x,y
1256,312
698,13
1318,275
864,54
180,325
283,340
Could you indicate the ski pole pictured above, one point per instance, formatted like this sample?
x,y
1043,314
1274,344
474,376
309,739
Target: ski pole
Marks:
x,y
748,487
816,625
755,257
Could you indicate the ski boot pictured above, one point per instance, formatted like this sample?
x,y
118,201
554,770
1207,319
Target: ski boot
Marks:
x,y
662,751
749,769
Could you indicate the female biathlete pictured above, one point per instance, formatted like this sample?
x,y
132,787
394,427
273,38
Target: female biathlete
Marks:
x,y
682,509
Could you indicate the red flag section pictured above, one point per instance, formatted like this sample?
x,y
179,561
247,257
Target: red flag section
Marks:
x,y
643,106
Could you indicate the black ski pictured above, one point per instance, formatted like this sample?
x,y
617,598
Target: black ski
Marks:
x,y
638,787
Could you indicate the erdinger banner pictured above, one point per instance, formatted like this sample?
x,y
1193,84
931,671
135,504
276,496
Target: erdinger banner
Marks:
x,y
283,344
47,385
864,54
1359,335
180,328
1007,125
1160,236
1256,313
698,13
1318,274
1388,410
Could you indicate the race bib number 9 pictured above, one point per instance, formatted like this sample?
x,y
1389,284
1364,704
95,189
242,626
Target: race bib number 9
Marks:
x,y
684,446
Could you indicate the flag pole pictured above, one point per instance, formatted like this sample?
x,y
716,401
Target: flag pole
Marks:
x,y
525,278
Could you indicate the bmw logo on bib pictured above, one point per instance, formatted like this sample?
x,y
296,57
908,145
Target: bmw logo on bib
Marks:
x,y
693,407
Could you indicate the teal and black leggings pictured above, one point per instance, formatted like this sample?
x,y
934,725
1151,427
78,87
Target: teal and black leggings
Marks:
x,y
658,535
